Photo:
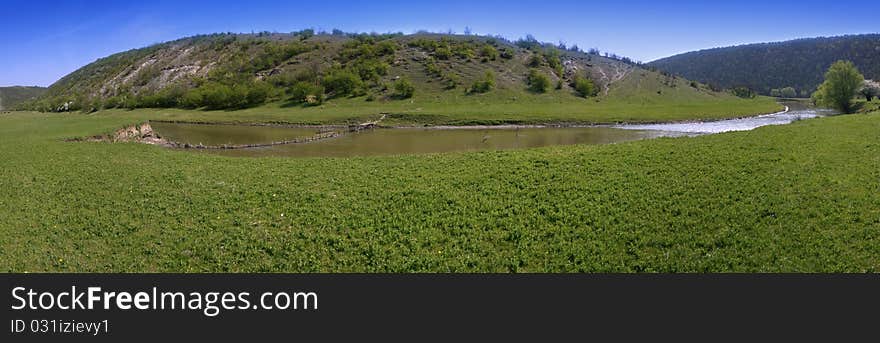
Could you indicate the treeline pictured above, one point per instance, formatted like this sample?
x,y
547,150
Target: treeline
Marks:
x,y
796,65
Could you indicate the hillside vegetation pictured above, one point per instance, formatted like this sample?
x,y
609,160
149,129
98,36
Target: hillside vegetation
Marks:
x,y
417,75
798,64
11,97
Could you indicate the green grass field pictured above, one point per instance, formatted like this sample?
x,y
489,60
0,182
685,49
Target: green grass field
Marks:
x,y
491,108
803,197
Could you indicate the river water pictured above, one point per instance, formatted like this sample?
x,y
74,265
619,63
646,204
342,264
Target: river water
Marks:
x,y
399,141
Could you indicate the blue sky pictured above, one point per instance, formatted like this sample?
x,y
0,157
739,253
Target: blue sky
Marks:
x,y
41,41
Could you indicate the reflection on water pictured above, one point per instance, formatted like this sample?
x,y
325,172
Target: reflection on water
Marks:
x,y
415,141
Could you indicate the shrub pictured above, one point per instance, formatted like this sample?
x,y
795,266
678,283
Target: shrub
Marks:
x,y
584,86
256,93
443,53
535,61
451,81
341,83
485,84
488,52
506,53
403,89
307,92
370,69
538,82
743,92
788,92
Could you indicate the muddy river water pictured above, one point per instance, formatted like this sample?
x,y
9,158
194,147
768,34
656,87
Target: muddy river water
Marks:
x,y
395,141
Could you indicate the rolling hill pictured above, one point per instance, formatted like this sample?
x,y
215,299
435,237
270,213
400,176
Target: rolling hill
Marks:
x,y
798,63
12,96
368,72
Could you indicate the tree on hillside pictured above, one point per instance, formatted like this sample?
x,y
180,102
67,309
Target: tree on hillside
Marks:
x,y
483,85
403,89
584,86
842,81
538,82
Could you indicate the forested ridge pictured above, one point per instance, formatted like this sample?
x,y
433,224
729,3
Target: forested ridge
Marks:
x,y
763,67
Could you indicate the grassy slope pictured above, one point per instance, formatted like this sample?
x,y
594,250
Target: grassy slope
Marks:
x,y
801,197
495,107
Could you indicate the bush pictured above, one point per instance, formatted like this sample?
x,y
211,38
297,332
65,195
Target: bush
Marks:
x,y
451,81
443,53
584,87
341,83
403,89
370,69
306,92
256,93
535,61
788,92
484,85
538,82
488,52
743,92
506,53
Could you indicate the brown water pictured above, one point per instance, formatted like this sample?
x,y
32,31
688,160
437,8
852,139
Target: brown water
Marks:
x,y
210,134
392,141
423,140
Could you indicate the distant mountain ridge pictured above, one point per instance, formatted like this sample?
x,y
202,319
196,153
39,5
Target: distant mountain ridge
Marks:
x,y
799,63
12,96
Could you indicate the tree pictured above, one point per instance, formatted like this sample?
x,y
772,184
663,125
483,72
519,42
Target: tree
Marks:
x,y
403,88
538,82
341,83
307,92
743,92
484,85
584,86
842,81
776,93
788,92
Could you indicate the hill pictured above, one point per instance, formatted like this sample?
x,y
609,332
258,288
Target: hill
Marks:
x,y
762,67
12,96
437,74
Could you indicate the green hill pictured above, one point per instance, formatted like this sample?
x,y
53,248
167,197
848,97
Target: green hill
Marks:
x,y
467,77
12,96
798,63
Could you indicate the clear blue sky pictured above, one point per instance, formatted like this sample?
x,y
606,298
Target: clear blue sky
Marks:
x,y
41,41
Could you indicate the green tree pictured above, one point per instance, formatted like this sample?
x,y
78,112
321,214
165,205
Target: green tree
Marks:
x,y
307,92
341,83
788,92
404,89
485,84
743,92
538,82
584,86
842,81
